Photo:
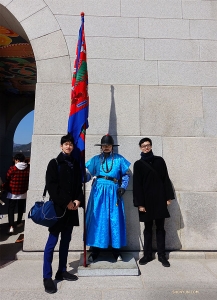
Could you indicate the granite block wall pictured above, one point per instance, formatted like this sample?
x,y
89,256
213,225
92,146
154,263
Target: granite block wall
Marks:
x,y
152,72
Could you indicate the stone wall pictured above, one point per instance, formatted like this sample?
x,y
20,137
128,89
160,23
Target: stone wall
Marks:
x,y
152,72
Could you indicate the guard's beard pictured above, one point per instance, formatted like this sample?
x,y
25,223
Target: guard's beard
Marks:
x,y
106,154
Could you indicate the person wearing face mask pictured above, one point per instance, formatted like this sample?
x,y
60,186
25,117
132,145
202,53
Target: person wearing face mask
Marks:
x,y
64,185
105,216
16,185
152,193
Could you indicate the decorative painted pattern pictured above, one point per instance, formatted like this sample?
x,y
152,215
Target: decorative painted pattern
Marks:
x,y
17,64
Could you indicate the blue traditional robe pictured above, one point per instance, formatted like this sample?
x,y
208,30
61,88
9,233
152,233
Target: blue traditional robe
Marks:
x,y
105,220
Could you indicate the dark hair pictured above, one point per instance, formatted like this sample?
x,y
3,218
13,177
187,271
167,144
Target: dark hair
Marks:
x,y
20,157
146,139
67,138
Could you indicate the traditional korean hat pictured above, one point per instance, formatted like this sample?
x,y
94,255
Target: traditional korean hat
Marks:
x,y
106,140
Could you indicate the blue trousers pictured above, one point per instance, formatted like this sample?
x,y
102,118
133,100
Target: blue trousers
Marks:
x,y
66,234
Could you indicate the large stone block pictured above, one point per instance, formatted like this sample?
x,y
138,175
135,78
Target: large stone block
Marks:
x,y
171,49
111,110
100,26
208,50
210,111
56,70
199,213
199,10
138,72
109,48
164,28
152,8
23,11
203,29
191,163
33,24
44,148
187,73
5,2
50,45
52,100
90,7
163,110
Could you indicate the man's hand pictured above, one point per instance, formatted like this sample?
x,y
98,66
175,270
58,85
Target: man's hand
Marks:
x,y
76,204
168,202
73,205
142,209
70,206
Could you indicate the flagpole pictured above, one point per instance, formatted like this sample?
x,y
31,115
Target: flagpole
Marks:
x,y
85,251
78,115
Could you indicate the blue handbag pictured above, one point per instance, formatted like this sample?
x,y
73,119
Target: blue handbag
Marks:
x,y
43,212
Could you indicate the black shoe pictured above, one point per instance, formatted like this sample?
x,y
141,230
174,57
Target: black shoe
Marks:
x,y
164,261
117,256
144,260
92,257
49,286
65,276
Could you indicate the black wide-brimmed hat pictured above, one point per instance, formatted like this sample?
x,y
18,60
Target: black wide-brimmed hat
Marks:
x,y
106,140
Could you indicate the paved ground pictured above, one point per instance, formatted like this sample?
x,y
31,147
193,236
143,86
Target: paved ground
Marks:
x,y
185,279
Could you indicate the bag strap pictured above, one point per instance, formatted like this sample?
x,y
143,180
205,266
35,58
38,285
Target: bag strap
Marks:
x,y
45,188
150,167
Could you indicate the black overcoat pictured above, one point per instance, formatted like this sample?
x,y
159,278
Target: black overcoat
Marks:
x,y
152,189
64,184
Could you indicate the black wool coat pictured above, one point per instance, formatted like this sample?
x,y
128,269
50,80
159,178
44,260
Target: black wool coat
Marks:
x,y
152,189
64,184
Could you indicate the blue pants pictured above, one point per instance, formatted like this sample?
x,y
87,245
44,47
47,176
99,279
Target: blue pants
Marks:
x,y
66,234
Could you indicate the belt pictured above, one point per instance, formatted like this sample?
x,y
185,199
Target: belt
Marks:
x,y
108,178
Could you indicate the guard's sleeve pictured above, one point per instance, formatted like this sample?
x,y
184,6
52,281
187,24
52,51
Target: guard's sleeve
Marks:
x,y
125,181
91,166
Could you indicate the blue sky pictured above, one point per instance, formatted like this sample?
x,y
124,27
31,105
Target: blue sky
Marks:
x,y
23,133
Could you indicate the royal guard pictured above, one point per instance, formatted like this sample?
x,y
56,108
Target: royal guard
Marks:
x,y
105,217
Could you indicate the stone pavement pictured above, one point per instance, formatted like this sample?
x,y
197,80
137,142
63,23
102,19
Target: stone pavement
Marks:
x,y
187,278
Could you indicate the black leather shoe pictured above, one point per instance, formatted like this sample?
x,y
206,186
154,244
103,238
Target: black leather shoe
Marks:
x,y
144,260
92,257
65,276
49,286
164,261
117,256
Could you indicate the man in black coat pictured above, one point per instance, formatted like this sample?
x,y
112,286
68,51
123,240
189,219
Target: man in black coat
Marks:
x,y
64,185
152,192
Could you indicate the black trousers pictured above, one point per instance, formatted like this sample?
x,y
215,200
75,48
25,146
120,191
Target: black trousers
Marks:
x,y
21,204
160,236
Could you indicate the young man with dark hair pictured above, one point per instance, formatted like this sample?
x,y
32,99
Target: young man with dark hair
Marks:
x,y
17,180
152,192
64,185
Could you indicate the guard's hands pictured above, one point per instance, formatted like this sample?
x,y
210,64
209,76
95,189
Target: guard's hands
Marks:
x,y
142,209
120,192
168,202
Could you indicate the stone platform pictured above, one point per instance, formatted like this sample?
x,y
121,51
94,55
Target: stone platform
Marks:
x,y
106,265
